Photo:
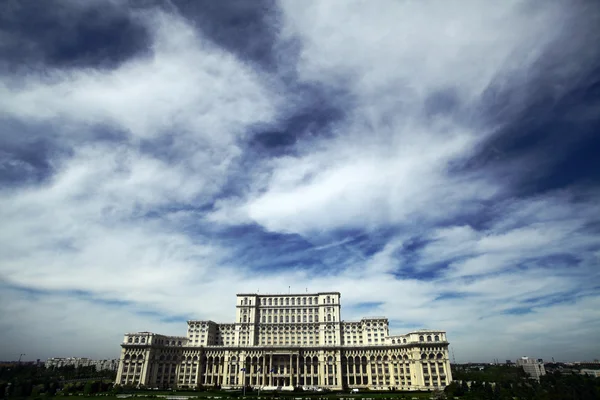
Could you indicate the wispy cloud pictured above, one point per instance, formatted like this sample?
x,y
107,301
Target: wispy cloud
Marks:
x,y
429,160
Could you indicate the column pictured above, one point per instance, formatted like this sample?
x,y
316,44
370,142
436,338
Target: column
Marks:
x,y
338,369
263,371
448,372
369,375
120,369
298,370
347,373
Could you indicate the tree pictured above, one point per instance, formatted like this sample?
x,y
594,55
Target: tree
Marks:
x,y
87,389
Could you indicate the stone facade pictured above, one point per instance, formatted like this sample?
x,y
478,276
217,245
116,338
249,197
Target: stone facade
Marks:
x,y
287,341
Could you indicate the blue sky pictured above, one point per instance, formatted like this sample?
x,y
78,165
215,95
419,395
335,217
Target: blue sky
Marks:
x,y
435,162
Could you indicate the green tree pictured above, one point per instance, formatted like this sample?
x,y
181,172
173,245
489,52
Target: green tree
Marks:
x,y
87,389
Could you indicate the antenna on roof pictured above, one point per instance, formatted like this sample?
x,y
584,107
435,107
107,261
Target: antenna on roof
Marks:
x,y
453,359
289,290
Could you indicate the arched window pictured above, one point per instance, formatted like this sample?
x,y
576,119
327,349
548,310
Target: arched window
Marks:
x,y
264,319
269,319
403,340
421,339
329,317
429,338
270,303
287,301
328,300
136,340
293,319
143,340
130,340
244,318
310,318
310,300
304,318
293,301
304,301
287,318
281,318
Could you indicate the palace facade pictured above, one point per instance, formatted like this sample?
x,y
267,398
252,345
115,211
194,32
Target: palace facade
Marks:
x,y
287,341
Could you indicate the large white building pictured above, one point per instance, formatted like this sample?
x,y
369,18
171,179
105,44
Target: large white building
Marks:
x,y
286,341
534,368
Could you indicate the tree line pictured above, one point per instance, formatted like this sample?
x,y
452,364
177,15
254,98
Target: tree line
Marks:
x,y
493,384
34,381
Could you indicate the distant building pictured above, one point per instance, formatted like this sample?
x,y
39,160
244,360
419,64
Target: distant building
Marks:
x,y
111,365
591,372
533,368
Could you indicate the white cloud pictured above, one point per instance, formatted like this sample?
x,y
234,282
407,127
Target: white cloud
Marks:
x,y
185,85
391,160
390,163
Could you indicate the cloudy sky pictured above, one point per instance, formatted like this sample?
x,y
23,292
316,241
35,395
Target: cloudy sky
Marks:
x,y
437,162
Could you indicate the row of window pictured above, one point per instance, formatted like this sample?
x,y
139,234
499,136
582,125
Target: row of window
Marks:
x,y
289,311
293,301
281,319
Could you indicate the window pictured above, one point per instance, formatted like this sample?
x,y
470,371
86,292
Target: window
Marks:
x,y
287,302
270,302
304,301
310,301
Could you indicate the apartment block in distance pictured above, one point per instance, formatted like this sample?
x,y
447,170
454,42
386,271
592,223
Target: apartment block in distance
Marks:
x,y
286,341
533,368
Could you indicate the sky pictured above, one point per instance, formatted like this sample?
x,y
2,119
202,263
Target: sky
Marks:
x,y
436,162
